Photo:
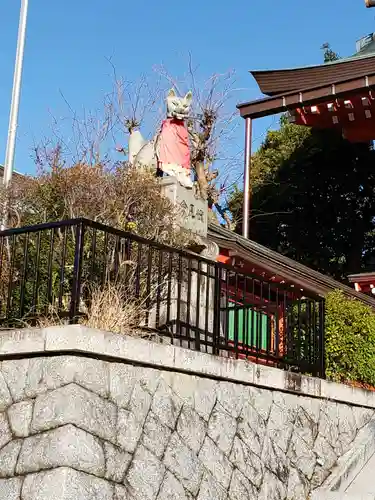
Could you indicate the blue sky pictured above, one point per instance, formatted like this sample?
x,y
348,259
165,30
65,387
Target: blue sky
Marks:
x,y
69,43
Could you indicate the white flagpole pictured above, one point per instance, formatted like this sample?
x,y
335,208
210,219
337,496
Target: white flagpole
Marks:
x,y
13,118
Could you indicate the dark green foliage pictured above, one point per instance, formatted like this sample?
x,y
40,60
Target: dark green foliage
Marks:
x,y
329,54
36,274
313,199
303,322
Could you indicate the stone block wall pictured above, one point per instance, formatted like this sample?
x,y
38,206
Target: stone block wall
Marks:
x,y
75,427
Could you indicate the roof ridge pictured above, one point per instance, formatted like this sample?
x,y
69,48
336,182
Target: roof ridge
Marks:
x,y
310,66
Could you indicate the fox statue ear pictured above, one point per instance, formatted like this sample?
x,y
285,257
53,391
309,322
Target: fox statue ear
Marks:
x,y
171,93
189,96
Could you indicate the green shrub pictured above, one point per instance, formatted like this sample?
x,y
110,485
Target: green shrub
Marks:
x,y
350,339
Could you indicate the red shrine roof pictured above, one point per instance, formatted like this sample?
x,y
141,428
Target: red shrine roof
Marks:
x,y
310,96
363,282
339,94
274,82
276,267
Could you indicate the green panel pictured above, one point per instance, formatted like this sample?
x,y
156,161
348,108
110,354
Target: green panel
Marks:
x,y
248,319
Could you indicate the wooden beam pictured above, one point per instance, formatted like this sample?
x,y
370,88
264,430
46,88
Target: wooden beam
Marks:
x,y
308,97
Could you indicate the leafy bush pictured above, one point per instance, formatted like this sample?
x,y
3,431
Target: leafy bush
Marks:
x,y
350,340
36,270
120,196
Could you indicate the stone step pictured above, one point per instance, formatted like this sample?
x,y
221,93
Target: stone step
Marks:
x,y
321,495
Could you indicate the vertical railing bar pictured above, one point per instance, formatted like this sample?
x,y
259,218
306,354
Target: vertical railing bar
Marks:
x,y
116,257
2,268
247,317
105,259
208,304
197,311
169,287
179,290
128,248
259,321
37,273
11,270
148,283
291,325
253,318
12,239
236,315
277,326
299,333
286,326
62,269
188,300
138,271
322,354
227,309
307,332
77,272
216,319
2,246
315,361
50,269
23,278
159,285
93,253
268,322
137,281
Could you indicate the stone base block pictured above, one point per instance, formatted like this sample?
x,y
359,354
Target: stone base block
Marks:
x,y
193,210
65,484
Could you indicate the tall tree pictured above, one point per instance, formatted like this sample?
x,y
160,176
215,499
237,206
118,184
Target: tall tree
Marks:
x,y
329,55
313,199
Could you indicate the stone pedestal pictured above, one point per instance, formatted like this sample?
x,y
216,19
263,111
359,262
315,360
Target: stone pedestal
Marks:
x,y
193,210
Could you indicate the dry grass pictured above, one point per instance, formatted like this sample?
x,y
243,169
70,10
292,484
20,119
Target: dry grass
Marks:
x,y
111,309
50,319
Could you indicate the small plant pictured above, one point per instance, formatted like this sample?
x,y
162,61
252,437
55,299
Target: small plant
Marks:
x,y
111,309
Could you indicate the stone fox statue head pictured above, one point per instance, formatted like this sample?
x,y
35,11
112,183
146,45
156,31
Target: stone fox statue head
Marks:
x,y
178,107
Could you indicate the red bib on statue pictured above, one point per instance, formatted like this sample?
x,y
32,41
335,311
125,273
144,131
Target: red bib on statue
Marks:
x,y
174,143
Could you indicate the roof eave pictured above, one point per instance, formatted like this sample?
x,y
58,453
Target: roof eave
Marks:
x,y
361,277
310,96
274,82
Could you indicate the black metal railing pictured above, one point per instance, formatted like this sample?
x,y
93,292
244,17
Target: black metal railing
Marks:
x,y
55,269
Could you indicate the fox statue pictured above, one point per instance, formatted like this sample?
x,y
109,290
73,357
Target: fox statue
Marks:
x,y
169,150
